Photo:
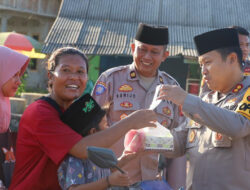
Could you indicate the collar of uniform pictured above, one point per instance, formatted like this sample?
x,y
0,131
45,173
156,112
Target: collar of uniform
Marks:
x,y
241,85
133,74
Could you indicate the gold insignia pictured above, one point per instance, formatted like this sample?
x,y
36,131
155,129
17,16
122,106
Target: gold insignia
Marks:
x,y
132,74
123,116
126,104
191,136
244,106
237,88
79,175
125,88
166,111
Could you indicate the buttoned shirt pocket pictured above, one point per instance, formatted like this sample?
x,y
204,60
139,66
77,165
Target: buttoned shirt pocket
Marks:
x,y
221,140
194,130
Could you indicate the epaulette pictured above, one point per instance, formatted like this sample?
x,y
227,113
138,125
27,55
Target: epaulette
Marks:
x,y
114,69
169,77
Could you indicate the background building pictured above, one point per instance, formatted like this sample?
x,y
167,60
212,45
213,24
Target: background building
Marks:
x,y
105,29
33,18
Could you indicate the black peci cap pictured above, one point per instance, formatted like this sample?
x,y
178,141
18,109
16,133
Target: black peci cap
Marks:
x,y
81,113
152,35
216,39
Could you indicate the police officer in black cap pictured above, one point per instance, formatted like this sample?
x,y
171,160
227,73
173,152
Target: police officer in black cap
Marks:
x,y
132,87
218,134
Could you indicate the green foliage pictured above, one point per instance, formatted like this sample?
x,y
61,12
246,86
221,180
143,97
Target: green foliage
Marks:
x,y
21,88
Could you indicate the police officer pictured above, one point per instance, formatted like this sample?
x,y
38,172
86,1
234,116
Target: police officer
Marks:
x,y
218,138
132,87
243,35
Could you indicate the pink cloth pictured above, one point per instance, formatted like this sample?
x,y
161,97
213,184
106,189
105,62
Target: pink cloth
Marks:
x,y
10,63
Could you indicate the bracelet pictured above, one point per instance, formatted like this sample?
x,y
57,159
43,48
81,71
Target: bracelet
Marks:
x,y
107,180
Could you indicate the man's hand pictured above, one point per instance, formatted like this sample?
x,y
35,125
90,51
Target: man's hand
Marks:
x,y
173,93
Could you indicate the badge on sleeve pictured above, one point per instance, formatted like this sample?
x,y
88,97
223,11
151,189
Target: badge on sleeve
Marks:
x,y
244,106
100,88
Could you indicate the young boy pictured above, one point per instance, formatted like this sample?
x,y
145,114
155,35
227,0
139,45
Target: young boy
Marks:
x,y
86,117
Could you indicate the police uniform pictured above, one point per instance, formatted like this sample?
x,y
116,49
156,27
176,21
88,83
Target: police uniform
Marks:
x,y
121,88
218,136
219,149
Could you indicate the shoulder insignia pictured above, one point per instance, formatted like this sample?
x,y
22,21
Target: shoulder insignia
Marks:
x,y
237,88
244,106
132,74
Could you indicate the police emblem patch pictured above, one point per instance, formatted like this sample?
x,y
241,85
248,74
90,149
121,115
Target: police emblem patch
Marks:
x,y
244,106
100,88
125,88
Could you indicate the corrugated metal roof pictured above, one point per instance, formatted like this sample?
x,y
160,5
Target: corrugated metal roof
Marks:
x,y
107,27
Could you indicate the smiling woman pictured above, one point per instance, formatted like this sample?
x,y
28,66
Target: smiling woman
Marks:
x,y
44,140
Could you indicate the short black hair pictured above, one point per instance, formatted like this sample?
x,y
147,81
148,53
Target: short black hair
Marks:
x,y
224,52
240,30
94,123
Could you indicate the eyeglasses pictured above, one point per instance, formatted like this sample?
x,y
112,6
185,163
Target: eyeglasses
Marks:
x,y
65,72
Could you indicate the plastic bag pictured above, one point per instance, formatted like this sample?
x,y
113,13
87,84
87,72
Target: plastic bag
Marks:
x,y
149,138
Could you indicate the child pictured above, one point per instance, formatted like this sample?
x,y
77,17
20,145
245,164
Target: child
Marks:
x,y
86,117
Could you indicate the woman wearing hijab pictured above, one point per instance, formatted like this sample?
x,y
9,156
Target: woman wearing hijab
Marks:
x,y
12,67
